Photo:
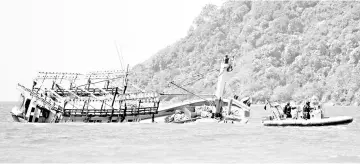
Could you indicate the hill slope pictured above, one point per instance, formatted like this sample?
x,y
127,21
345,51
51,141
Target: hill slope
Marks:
x,y
284,51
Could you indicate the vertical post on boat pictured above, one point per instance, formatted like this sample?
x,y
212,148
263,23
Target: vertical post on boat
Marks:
x,y
73,81
156,104
107,84
101,107
87,106
126,80
82,111
229,106
52,86
89,82
140,101
115,94
125,112
46,73
119,112
125,88
225,68
61,78
153,117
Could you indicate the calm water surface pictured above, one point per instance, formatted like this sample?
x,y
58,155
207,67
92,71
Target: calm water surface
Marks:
x,y
186,143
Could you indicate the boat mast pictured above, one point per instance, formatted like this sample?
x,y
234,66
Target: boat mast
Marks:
x,y
226,68
125,85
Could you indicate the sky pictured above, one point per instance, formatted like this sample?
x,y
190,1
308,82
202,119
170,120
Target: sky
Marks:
x,y
81,35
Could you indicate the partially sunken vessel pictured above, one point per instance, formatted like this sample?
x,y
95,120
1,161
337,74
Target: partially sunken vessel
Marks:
x,y
108,97
56,97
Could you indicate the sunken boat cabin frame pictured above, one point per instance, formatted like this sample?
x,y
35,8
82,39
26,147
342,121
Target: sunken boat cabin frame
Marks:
x,y
102,97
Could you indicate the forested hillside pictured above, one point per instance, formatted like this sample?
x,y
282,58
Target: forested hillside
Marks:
x,y
284,50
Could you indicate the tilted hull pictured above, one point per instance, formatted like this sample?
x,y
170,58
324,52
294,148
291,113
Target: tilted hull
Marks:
x,y
169,110
17,118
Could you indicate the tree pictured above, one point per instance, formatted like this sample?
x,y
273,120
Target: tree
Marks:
x,y
312,46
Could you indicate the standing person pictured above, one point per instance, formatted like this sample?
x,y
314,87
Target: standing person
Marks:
x,y
34,84
226,59
287,110
228,63
306,110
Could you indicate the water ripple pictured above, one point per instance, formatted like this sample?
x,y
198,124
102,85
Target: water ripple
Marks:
x,y
172,143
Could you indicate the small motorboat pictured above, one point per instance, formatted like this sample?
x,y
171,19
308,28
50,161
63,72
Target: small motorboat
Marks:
x,y
339,120
316,117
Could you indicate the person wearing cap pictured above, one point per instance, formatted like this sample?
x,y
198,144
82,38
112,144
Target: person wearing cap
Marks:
x,y
287,110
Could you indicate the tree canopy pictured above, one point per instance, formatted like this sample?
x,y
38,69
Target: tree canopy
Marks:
x,y
284,50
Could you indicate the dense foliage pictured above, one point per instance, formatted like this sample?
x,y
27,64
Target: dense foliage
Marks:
x,y
284,50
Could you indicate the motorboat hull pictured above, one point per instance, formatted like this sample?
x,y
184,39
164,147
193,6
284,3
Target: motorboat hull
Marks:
x,y
330,121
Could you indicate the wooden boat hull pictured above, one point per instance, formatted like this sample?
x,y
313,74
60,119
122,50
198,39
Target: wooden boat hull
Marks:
x,y
209,120
340,120
185,121
17,118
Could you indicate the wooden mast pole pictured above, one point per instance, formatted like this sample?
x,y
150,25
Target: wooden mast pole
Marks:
x,y
225,65
115,95
125,88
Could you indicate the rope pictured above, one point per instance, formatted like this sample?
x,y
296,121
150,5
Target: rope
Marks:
x,y
211,102
187,83
120,60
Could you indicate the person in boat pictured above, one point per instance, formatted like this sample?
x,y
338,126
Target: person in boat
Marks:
x,y
306,110
315,102
226,59
247,101
235,97
34,84
317,111
287,110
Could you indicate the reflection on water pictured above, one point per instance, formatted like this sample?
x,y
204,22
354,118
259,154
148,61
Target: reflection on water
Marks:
x,y
185,143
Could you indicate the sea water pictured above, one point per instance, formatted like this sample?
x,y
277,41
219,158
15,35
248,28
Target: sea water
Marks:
x,y
180,143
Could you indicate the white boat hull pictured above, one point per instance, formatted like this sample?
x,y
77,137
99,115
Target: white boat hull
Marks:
x,y
312,122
